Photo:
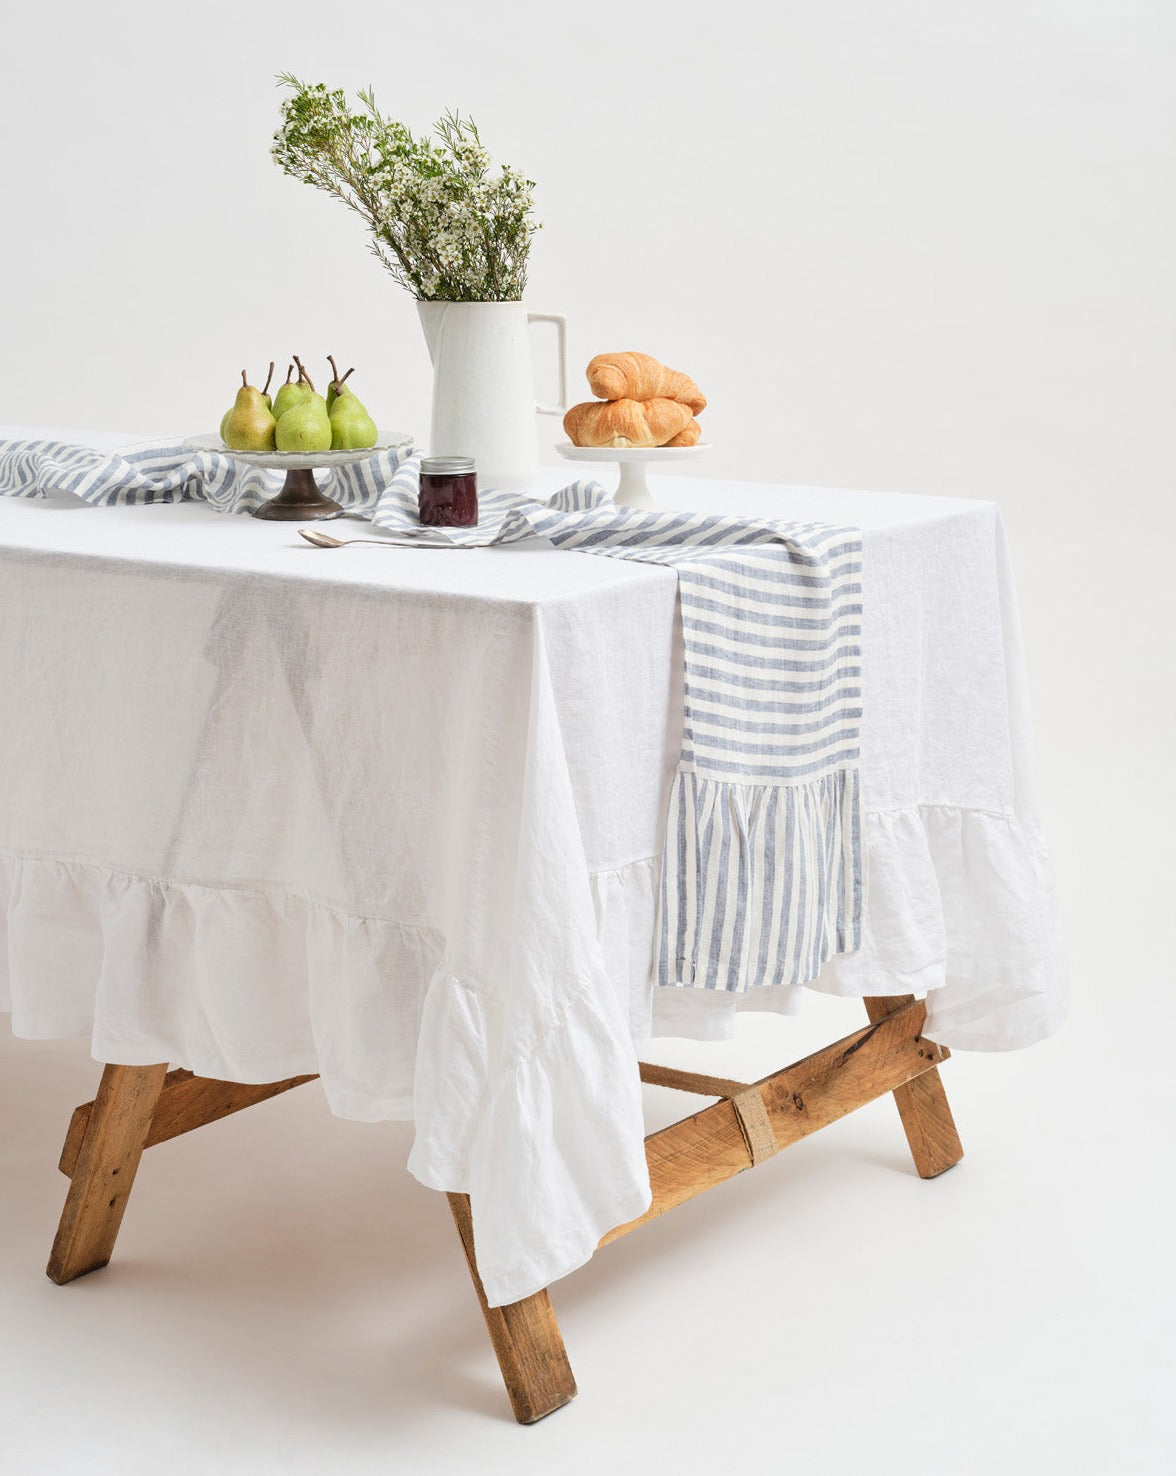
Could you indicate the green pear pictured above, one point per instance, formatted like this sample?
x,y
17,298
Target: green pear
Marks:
x,y
249,425
352,428
264,395
291,394
337,381
305,426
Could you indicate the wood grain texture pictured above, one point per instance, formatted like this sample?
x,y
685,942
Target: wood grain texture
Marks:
x,y
185,1102
922,1106
526,1338
690,1081
692,1156
104,1170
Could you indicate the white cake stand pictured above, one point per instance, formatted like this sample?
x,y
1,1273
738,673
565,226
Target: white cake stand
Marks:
x,y
632,489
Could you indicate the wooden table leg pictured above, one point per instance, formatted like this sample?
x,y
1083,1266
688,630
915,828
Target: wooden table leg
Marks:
x,y
105,1170
922,1106
526,1338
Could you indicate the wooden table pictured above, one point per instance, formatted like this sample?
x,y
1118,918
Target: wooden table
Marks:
x,y
138,1107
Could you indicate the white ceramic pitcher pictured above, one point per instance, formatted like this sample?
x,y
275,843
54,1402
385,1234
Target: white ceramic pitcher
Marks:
x,y
483,389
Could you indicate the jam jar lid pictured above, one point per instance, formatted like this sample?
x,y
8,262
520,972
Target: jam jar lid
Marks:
x,y
446,466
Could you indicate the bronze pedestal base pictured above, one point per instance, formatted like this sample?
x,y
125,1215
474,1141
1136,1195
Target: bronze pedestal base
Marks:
x,y
299,501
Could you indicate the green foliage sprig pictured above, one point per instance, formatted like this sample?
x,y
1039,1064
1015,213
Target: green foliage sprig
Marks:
x,y
441,221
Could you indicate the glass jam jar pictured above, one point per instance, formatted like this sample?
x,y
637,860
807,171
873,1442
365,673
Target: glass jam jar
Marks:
x,y
449,492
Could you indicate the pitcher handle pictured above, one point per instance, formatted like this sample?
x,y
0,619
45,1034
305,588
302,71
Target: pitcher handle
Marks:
x,y
561,326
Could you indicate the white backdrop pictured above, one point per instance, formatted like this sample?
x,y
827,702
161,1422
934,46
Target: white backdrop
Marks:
x,y
920,244
923,245
915,244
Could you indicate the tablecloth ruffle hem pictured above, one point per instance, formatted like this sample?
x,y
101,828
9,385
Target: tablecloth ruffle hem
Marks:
x,y
488,1127
234,984
961,910
257,986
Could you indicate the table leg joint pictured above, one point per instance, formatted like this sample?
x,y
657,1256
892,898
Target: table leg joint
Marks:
x,y
755,1124
185,1102
751,1124
922,1103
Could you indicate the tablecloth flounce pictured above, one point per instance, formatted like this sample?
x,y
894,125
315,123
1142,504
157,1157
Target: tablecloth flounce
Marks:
x,y
261,985
489,1112
960,909
232,984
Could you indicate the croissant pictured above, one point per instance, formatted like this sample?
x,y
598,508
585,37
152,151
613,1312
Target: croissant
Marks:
x,y
626,422
641,377
687,437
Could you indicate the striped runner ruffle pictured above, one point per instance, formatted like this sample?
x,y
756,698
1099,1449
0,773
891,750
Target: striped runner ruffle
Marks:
x,y
762,874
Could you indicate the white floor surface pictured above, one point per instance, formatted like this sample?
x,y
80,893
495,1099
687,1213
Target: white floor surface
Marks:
x,y
283,1299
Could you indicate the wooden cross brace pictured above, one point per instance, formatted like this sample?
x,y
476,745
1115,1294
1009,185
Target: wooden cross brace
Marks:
x,y
138,1106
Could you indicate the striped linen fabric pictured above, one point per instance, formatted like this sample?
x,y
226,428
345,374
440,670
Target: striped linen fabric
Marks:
x,y
171,471
762,875
762,872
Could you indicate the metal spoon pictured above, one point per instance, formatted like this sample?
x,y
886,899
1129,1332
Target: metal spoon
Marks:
x,y
325,540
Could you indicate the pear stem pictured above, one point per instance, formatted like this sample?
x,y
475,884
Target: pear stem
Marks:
x,y
289,372
340,379
244,379
303,377
268,377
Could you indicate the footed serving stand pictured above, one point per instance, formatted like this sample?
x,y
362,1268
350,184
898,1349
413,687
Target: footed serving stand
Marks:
x,y
632,488
300,499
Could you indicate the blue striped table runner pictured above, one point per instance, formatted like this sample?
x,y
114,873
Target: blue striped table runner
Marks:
x,y
762,871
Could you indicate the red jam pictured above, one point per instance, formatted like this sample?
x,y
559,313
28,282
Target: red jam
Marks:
x,y
449,492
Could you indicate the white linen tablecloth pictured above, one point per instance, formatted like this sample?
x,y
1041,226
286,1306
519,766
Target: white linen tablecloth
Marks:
x,y
394,816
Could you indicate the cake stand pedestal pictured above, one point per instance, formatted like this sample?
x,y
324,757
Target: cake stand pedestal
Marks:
x,y
632,489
